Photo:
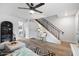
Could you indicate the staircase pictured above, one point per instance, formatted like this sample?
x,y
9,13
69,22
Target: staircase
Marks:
x,y
50,27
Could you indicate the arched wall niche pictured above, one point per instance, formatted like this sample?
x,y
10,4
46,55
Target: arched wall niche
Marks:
x,y
6,31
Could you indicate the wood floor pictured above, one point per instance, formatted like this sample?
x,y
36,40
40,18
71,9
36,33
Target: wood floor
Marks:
x,y
62,49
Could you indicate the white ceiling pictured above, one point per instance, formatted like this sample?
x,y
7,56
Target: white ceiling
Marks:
x,y
48,9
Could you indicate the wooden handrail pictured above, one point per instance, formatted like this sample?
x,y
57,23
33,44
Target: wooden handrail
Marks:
x,y
50,27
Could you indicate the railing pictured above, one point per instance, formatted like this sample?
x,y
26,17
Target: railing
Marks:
x,y
50,27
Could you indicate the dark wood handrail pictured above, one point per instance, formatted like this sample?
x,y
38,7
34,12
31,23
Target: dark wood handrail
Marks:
x,y
50,27
53,26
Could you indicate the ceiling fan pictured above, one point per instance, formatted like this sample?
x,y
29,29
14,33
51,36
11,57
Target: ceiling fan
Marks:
x,y
32,7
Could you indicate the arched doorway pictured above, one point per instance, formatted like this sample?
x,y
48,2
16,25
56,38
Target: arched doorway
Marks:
x,y
6,31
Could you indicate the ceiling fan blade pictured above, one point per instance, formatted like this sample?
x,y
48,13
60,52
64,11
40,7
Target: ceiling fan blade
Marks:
x,y
32,4
39,5
28,4
38,11
22,8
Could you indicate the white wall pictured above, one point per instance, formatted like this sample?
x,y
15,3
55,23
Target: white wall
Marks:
x,y
29,26
77,27
33,29
26,29
67,25
12,19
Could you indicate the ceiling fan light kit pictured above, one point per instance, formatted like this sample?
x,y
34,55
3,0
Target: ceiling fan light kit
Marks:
x,y
32,12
